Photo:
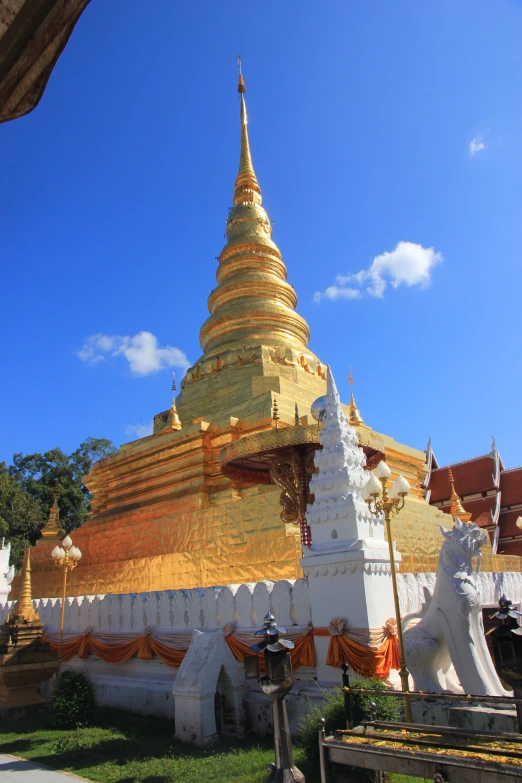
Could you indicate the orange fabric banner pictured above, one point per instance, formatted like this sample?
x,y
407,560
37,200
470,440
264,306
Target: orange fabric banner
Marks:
x,y
144,647
170,655
363,659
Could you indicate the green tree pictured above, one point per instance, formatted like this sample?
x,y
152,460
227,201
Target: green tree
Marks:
x,y
27,489
21,517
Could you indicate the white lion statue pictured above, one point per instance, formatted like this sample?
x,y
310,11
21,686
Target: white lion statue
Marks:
x,y
7,572
450,630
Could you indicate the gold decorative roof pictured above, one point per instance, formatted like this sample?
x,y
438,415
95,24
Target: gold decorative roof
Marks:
x,y
252,304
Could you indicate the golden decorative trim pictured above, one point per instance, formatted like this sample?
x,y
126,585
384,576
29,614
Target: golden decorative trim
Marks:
x,y
234,357
270,440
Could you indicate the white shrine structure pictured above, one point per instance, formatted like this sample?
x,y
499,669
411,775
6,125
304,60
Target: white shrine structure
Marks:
x,y
348,563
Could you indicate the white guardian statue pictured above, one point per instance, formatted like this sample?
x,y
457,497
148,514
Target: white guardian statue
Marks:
x,y
450,630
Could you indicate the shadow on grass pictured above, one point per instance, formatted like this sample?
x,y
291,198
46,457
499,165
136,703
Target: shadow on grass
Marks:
x,y
16,747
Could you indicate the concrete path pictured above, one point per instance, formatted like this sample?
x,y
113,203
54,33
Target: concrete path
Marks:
x,y
13,769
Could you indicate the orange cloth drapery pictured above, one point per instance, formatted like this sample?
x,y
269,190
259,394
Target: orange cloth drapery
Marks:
x,y
365,659
144,647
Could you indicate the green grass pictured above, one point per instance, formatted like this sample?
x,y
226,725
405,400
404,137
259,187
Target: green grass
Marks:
x,y
125,748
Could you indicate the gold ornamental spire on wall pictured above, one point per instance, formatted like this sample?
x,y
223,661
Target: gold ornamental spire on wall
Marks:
x,y
23,610
252,304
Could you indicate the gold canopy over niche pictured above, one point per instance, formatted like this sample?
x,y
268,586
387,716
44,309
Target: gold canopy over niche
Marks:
x,y
164,515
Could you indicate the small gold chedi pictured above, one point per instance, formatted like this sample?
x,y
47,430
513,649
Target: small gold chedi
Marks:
x,y
164,515
25,658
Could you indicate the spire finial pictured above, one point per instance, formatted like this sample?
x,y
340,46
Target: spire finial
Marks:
x,y
246,190
457,509
297,418
175,422
354,417
241,84
52,528
23,610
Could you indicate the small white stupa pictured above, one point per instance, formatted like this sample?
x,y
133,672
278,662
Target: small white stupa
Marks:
x,y
348,563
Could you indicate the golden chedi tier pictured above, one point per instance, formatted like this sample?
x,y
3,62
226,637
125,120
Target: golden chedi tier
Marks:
x,y
164,514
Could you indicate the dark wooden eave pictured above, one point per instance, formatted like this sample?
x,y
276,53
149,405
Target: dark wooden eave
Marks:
x,y
33,34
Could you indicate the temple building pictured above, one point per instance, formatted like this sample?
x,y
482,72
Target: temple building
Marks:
x,y
182,508
490,494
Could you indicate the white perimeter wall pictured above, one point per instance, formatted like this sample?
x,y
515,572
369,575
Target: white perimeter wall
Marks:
x,y
146,686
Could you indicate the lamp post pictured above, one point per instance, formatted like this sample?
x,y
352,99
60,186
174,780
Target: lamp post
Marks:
x,y
380,499
276,683
507,649
66,557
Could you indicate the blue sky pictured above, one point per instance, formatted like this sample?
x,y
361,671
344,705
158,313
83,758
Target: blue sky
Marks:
x,y
371,124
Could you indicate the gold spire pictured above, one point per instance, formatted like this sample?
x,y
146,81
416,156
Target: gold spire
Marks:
x,y
52,527
252,305
247,188
23,610
457,509
354,417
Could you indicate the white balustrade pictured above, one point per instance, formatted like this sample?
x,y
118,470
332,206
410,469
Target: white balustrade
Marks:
x,y
244,605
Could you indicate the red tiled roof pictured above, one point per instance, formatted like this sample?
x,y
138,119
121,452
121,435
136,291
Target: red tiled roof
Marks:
x,y
507,524
471,477
511,487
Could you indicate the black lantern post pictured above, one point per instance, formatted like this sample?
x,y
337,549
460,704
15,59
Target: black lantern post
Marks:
x,y
276,683
507,649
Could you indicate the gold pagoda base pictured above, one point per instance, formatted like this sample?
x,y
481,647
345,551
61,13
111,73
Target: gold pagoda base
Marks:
x,y
165,517
25,662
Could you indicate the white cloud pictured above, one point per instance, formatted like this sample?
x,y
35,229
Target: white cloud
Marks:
x,y
138,430
409,264
337,292
142,352
476,145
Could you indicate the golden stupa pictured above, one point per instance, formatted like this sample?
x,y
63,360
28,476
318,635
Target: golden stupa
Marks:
x,y
164,515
